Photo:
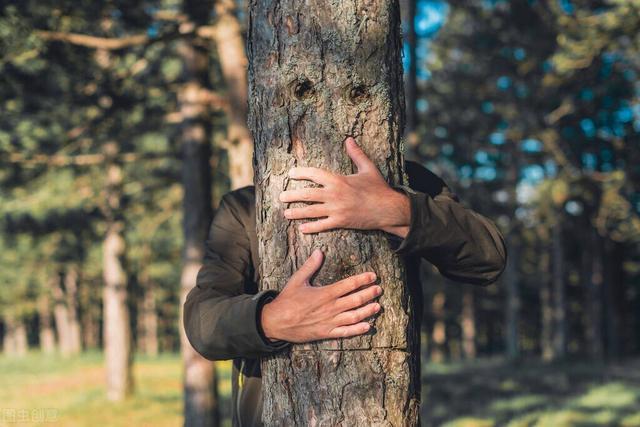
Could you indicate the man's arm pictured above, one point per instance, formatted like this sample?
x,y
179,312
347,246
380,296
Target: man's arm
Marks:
x,y
221,320
464,245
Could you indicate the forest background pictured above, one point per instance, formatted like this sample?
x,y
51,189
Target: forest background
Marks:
x,y
112,112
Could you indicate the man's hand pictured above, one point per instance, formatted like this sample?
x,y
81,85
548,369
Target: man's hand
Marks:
x,y
304,313
362,201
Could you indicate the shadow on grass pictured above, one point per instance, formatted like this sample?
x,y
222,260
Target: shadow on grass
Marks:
x,y
493,392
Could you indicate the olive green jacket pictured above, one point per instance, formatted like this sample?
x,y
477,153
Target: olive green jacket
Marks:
x,y
222,312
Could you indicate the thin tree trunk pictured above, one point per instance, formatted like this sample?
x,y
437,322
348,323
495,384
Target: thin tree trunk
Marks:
x,y
318,72
148,321
593,277
612,282
411,85
117,333
558,293
546,308
200,394
46,333
20,338
90,319
8,339
15,341
512,306
468,325
233,62
61,316
71,296
439,332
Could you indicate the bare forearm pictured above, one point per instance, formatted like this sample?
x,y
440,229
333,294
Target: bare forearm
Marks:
x,y
396,213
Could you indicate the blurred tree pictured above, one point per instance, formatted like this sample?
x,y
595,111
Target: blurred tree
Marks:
x,y
200,396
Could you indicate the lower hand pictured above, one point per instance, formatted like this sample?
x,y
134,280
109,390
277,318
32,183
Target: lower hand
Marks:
x,y
360,201
303,313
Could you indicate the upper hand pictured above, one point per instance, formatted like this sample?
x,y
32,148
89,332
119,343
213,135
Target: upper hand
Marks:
x,y
362,200
303,313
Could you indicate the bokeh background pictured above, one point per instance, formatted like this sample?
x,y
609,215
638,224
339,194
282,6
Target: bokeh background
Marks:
x,y
122,123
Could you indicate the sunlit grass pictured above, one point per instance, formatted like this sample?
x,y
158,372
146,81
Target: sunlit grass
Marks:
x,y
483,393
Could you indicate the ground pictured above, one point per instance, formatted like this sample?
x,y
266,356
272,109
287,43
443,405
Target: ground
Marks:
x,y
49,390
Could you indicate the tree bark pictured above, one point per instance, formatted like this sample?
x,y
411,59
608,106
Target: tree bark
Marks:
x,y
117,330
200,396
233,62
318,72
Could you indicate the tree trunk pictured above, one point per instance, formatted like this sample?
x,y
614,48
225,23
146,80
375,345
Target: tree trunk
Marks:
x,y
90,318
411,82
512,307
233,62
318,72
61,316
200,396
20,337
46,334
438,349
71,296
593,277
468,325
546,307
613,282
558,293
15,341
117,332
148,321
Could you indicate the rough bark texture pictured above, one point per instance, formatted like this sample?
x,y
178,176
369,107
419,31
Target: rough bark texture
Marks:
x,y
200,398
117,330
318,72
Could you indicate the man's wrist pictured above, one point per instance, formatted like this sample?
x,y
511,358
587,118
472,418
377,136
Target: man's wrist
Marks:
x,y
399,218
265,328
266,324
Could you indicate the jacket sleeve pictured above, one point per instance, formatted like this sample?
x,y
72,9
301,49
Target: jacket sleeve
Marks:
x,y
464,245
221,320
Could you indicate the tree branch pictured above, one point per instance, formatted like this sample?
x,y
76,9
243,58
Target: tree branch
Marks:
x,y
95,42
78,160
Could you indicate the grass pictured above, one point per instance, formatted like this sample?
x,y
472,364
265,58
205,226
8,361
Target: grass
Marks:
x,y
49,390
491,393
